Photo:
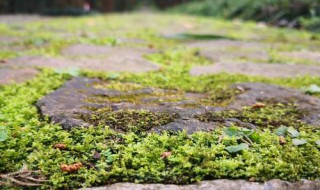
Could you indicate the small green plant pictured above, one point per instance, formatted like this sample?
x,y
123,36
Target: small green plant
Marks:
x,y
3,133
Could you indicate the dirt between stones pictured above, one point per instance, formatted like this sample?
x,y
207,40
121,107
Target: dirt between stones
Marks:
x,y
81,97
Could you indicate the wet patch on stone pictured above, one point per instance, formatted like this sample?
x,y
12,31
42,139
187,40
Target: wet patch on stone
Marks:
x,y
254,69
219,50
85,102
10,75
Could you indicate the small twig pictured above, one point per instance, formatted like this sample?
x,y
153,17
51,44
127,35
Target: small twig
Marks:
x,y
245,141
21,172
21,178
220,139
251,143
36,180
21,183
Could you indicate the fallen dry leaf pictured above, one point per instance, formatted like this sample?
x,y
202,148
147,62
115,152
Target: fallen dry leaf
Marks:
x,y
70,168
258,105
282,140
165,154
60,146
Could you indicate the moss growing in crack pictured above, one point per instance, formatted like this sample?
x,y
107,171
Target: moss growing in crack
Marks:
x,y
221,97
129,120
119,86
271,116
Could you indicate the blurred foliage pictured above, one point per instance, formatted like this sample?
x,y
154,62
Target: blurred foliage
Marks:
x,y
290,13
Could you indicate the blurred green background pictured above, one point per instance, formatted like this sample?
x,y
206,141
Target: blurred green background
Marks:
x,y
303,14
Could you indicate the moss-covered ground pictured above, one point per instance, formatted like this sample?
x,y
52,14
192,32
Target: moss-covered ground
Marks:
x,y
110,156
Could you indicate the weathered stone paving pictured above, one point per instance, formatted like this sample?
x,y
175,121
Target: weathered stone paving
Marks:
x,y
10,75
79,99
91,57
303,55
255,69
221,184
219,50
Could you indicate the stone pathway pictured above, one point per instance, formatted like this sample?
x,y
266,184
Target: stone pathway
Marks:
x,y
303,55
220,50
92,57
221,184
257,69
8,39
10,75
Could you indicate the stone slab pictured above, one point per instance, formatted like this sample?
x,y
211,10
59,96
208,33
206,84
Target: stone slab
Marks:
x,y
220,184
10,75
96,50
306,55
8,39
219,50
114,63
257,69
77,97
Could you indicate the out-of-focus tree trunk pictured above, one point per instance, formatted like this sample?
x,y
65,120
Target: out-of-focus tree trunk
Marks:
x,y
107,5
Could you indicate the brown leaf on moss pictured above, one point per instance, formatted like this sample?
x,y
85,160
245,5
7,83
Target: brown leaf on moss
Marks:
x,y
282,140
71,168
60,146
166,154
258,105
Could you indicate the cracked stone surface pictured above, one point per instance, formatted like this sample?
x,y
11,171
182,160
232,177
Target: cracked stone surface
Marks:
x,y
75,99
220,184
109,59
219,50
10,75
257,69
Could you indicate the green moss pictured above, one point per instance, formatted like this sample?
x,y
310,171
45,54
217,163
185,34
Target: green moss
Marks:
x,y
129,120
271,116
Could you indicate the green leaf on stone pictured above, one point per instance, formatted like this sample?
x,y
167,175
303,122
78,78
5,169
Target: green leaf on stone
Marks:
x,y
3,133
113,76
281,131
72,71
298,142
233,131
237,148
312,89
247,132
293,132
318,143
